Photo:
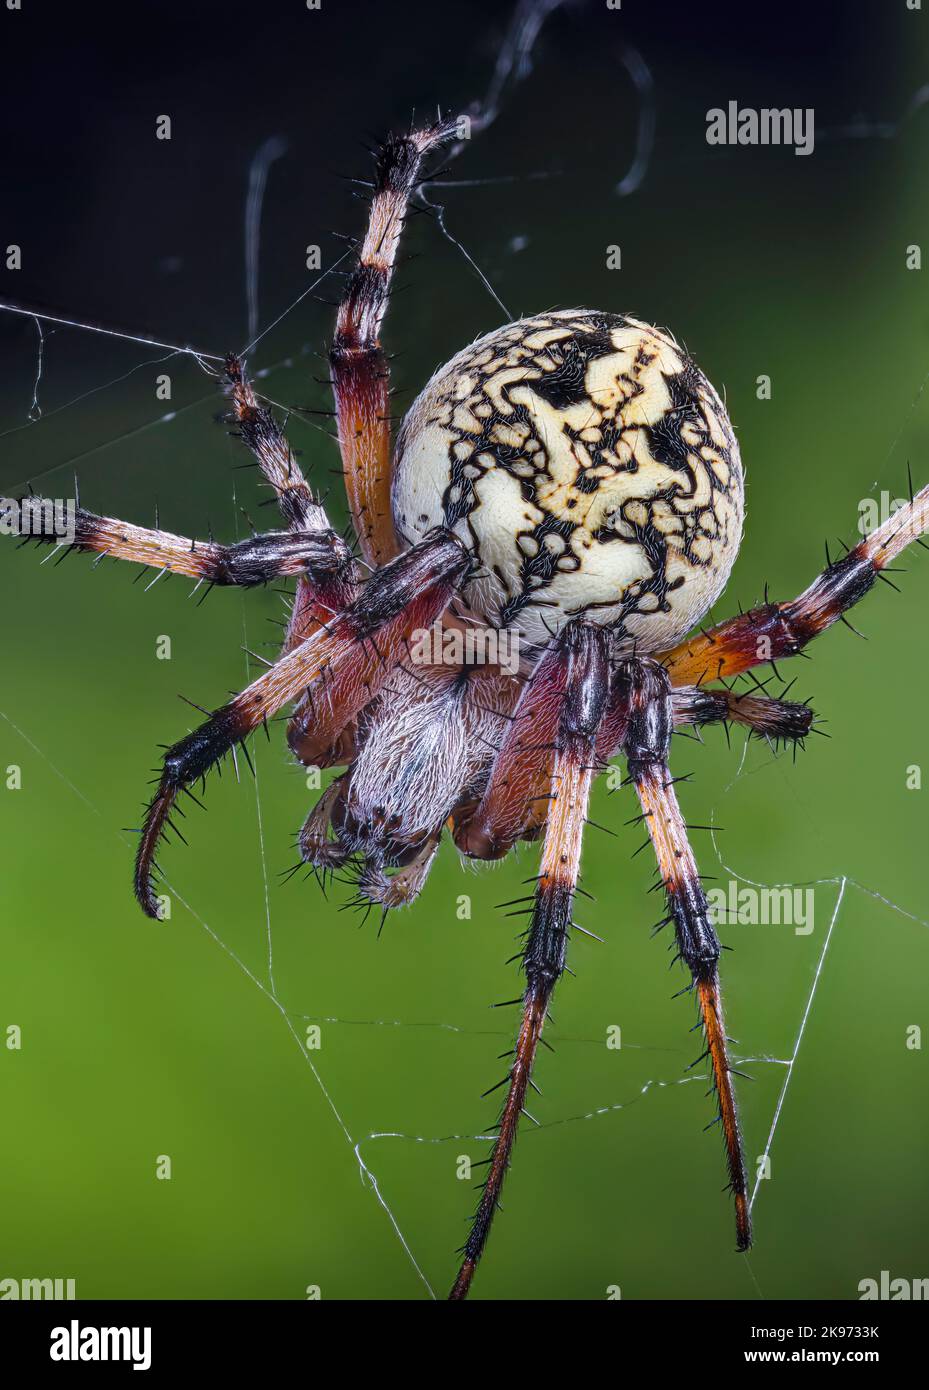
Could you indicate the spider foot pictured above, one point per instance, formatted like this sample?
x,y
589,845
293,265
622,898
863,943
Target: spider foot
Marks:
x,y
316,847
401,888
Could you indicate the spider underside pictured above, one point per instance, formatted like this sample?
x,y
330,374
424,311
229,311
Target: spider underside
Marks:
x,y
571,479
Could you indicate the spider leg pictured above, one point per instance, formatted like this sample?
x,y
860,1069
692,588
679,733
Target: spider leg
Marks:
x,y
515,801
648,734
316,847
781,629
360,375
317,599
317,733
320,555
353,654
399,889
264,437
773,719
584,651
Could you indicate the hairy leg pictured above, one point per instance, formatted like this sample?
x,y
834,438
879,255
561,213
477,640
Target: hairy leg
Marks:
x,y
515,801
646,744
318,555
360,374
779,630
767,717
351,658
584,652
317,598
317,848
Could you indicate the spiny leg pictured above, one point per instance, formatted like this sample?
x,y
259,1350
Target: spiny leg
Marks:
x,y
360,375
354,654
310,549
314,602
584,651
774,719
781,629
264,437
401,888
316,846
514,803
257,560
646,744
318,600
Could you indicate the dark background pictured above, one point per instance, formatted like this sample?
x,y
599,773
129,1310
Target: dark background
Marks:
x,y
140,1039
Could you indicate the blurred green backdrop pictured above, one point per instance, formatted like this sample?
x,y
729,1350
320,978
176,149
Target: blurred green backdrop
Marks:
x,y
185,1038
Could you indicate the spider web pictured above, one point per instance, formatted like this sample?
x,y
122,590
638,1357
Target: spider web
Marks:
x,y
364,1146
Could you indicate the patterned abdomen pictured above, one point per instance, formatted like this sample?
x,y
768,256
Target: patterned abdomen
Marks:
x,y
591,466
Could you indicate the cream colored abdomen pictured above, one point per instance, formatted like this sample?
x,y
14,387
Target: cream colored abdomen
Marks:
x,y
592,468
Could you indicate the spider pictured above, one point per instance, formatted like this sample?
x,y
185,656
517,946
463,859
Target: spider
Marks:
x,y
571,482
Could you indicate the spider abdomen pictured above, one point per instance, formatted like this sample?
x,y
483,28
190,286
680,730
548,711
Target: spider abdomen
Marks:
x,y
592,468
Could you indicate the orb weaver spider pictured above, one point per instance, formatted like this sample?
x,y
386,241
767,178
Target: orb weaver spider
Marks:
x,y
571,479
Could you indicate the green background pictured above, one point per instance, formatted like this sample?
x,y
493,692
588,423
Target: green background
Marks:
x,y
143,1039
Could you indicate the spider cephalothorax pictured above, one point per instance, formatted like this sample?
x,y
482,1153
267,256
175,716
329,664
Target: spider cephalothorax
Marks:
x,y
572,480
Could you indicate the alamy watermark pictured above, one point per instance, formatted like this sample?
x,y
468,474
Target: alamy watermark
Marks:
x,y
37,1290
902,520
766,125
471,646
743,905
77,1342
39,516
893,1290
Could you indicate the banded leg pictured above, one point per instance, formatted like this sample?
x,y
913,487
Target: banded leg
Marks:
x,y
360,375
514,803
320,596
584,652
316,600
351,657
779,630
317,847
773,719
647,741
401,888
319,555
